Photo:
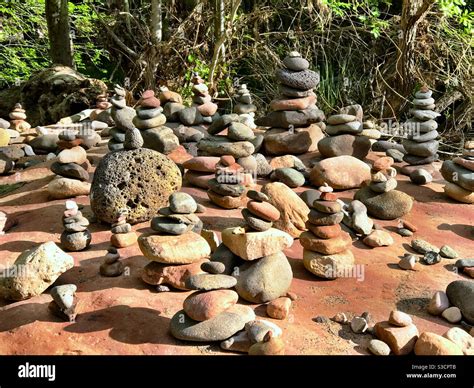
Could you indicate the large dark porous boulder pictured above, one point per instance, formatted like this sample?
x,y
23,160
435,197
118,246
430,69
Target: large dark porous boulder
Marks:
x,y
139,181
52,94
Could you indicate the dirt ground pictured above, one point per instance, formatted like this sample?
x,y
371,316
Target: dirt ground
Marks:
x,y
126,316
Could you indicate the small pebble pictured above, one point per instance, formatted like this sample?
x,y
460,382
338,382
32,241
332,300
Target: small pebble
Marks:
x,y
340,318
431,258
408,262
213,267
452,314
379,348
448,252
359,325
162,288
320,319
404,232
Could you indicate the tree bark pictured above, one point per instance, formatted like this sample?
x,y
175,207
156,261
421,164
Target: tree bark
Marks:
x,y
57,18
219,23
156,22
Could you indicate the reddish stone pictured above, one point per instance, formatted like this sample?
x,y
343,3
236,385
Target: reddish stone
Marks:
x,y
66,145
328,196
227,160
469,271
408,225
264,210
123,240
325,231
382,163
326,246
202,163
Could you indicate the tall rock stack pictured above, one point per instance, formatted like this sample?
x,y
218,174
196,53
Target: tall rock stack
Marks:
x,y
71,167
76,236
122,234
123,118
227,189
150,121
175,248
244,107
18,119
345,134
460,175
380,197
266,273
421,144
326,252
295,112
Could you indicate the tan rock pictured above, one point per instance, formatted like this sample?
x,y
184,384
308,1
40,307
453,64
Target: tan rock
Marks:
x,y
438,303
226,201
326,246
183,249
123,240
461,338
400,339
458,193
378,238
328,266
431,344
156,273
62,187
279,308
73,155
34,271
270,346
211,237
253,245
293,210
399,318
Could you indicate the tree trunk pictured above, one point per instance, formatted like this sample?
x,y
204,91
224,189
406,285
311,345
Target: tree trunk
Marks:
x,y
156,22
219,24
57,19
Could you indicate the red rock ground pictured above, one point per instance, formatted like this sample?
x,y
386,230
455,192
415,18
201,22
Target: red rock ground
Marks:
x,y
125,316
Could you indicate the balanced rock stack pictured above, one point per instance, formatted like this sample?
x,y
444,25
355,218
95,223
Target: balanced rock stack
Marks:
x,y
18,119
326,246
102,109
75,236
210,313
266,274
122,234
244,107
64,302
112,266
345,130
421,144
71,169
177,249
259,213
203,108
123,118
228,188
150,121
380,197
200,170
460,175
293,114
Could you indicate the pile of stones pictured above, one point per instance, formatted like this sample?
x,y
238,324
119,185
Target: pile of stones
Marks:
x,y
150,121
76,236
64,302
18,119
228,188
460,175
265,274
295,111
176,247
122,234
123,118
71,168
102,110
111,266
200,170
345,134
326,246
244,107
259,213
380,197
421,144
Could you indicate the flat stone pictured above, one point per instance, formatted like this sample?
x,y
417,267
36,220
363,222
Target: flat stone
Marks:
x,y
323,219
302,80
325,231
326,246
74,155
287,118
123,240
378,238
155,273
301,103
279,141
60,188
458,193
227,201
458,175
233,190
387,206
202,306
401,340
296,63
237,149
422,246
256,223
354,127
213,267
184,249
357,146
418,161
396,155
207,282
328,207
219,328
239,132
426,149
182,203
222,123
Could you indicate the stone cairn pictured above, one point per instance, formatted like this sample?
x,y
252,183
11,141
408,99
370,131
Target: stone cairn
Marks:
x,y
71,168
326,247
176,248
421,144
102,108
244,107
295,111
18,119
64,302
203,108
345,134
150,121
112,266
200,170
123,118
227,189
76,236
459,174
122,234
380,197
